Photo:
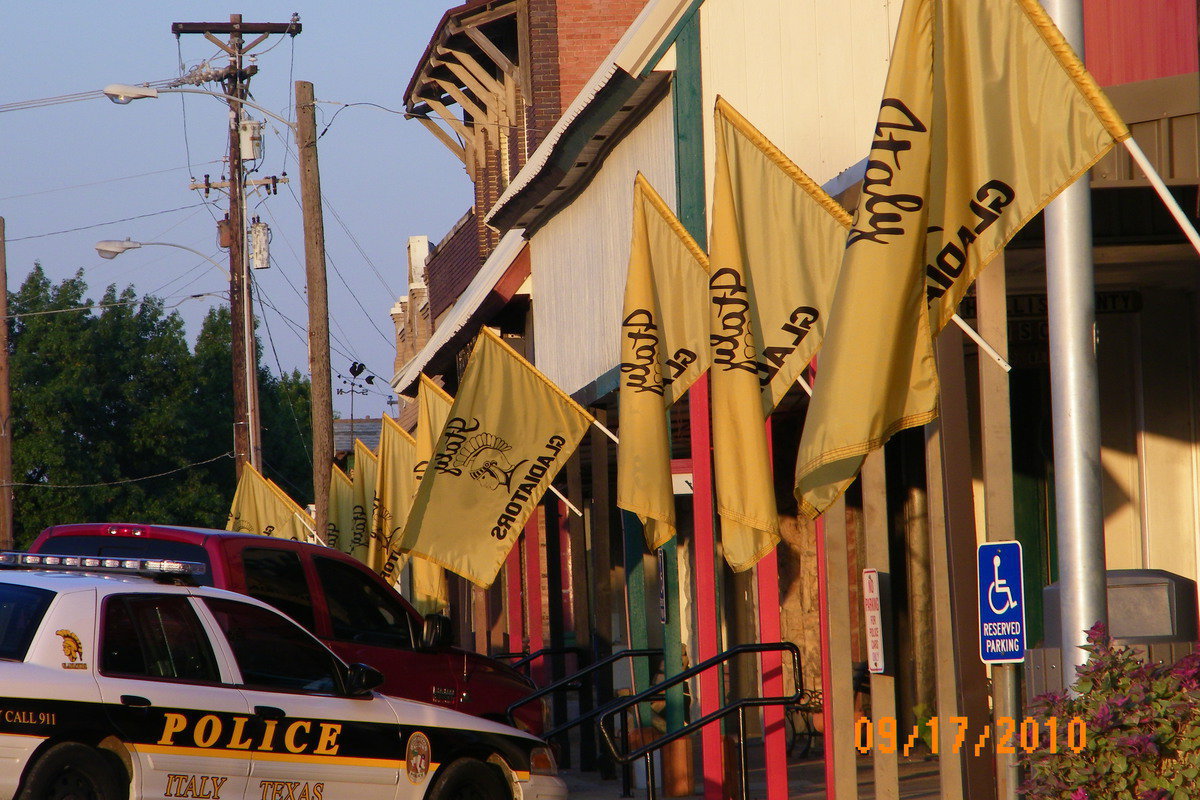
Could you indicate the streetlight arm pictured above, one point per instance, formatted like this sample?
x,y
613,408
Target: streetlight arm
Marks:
x,y
112,249
123,93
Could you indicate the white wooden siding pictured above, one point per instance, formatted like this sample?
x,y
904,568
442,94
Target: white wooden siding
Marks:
x,y
808,73
579,259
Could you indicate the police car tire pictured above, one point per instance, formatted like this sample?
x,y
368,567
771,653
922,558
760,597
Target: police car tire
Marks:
x,y
469,779
73,770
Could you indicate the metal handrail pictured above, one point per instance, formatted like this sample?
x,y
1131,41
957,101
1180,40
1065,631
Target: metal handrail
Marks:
x,y
647,750
524,659
573,682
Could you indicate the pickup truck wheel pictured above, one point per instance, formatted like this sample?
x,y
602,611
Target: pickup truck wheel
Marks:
x,y
469,779
72,771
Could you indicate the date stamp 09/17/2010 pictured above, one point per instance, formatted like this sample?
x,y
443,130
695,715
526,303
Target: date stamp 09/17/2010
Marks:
x,y
1008,734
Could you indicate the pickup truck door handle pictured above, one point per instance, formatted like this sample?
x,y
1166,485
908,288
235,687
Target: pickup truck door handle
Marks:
x,y
270,712
135,701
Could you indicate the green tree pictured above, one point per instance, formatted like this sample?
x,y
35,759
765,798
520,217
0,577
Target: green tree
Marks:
x,y
107,397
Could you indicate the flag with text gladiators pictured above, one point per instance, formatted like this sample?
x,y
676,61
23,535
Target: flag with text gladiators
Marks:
x,y
341,510
395,486
664,349
509,432
259,506
986,116
775,247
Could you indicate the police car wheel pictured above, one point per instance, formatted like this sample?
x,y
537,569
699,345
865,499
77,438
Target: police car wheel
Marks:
x,y
72,771
469,779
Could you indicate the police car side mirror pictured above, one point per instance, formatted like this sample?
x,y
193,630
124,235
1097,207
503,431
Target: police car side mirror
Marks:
x,y
362,679
437,633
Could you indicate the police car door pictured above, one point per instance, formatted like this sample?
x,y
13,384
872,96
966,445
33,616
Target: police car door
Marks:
x,y
164,688
318,743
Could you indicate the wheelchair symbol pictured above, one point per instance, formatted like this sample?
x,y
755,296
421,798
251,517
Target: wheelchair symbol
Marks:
x,y
1000,597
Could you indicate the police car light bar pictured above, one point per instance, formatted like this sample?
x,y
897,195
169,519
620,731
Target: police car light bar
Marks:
x,y
131,566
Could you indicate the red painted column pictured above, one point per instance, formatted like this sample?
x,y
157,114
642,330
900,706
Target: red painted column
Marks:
x,y
707,634
826,677
533,593
512,587
770,630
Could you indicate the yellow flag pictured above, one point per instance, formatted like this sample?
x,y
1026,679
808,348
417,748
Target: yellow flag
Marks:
x,y
341,511
259,506
510,430
987,115
395,486
774,247
366,467
664,349
430,591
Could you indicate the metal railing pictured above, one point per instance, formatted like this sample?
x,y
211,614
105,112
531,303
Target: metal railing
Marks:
x,y
647,750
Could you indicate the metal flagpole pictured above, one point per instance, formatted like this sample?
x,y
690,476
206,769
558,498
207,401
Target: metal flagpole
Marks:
x,y
1075,396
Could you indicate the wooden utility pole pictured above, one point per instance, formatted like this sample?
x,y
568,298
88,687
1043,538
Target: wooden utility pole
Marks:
x,y
247,443
318,300
6,470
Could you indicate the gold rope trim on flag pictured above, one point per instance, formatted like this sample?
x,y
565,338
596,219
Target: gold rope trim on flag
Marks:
x,y
1075,69
757,556
488,332
400,430
340,475
658,204
429,382
747,129
642,516
749,522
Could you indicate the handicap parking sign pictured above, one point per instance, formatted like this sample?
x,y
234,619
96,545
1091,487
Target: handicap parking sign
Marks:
x,y
1001,603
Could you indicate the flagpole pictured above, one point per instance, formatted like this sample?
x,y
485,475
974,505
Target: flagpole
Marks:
x,y
983,345
568,503
1168,199
605,431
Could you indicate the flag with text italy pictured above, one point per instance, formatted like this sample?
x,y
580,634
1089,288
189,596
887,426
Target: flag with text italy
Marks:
x,y
509,432
664,349
775,247
987,115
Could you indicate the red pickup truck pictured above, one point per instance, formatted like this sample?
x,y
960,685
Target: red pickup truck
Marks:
x,y
337,598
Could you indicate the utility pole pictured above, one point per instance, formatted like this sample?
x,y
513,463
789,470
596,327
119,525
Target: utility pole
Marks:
x,y
321,398
235,79
6,470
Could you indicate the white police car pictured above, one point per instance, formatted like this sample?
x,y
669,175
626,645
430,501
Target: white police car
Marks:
x,y
115,685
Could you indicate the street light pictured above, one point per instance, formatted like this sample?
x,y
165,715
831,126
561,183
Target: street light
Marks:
x,y
111,248
305,131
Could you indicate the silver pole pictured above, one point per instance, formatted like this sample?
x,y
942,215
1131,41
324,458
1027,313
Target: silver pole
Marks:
x,y
1074,390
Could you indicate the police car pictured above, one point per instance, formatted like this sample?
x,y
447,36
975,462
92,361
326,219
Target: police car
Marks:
x,y
122,678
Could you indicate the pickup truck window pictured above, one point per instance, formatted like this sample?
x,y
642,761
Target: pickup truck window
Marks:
x,y
155,636
360,610
21,609
272,653
276,577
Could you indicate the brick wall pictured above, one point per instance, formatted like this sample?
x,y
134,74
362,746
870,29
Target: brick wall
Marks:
x,y
543,69
587,31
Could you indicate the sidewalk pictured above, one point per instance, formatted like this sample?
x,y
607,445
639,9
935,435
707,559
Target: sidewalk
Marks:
x,y
806,780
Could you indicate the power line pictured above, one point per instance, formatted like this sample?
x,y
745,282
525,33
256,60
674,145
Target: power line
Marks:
x,y
95,183
102,224
123,480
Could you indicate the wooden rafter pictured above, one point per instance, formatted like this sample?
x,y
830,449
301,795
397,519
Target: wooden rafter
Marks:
x,y
484,17
464,102
474,67
443,137
469,80
454,122
491,51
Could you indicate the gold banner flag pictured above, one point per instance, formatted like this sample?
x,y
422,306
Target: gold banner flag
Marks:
x,y
986,116
363,476
341,510
259,506
775,247
664,349
430,591
510,430
395,485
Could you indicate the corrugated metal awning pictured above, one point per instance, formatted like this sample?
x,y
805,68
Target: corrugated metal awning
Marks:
x,y
463,317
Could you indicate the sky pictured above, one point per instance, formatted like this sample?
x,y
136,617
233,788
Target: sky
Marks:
x,y
76,173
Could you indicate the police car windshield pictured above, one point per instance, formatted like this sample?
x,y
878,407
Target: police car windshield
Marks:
x,y
21,609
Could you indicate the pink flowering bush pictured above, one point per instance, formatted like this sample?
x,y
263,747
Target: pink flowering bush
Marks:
x,y
1142,730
